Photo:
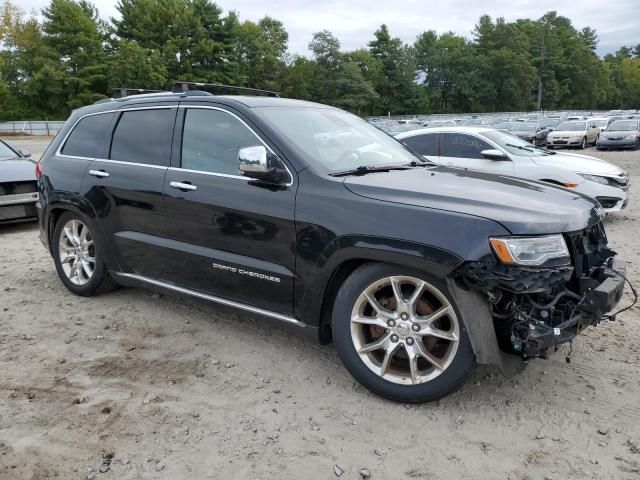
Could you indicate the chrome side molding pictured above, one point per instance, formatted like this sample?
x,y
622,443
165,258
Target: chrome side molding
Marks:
x,y
212,298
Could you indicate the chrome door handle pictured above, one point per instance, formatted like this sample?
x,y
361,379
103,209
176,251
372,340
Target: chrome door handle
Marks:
x,y
183,186
98,173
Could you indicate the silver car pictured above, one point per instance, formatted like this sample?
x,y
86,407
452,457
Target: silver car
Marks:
x,y
494,151
574,133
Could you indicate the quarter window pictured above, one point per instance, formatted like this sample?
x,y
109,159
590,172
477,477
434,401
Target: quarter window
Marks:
x,y
90,137
464,146
211,140
143,136
426,144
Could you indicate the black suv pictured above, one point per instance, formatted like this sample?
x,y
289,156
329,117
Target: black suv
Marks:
x,y
309,215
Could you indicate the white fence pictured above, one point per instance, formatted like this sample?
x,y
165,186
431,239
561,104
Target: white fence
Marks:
x,y
30,127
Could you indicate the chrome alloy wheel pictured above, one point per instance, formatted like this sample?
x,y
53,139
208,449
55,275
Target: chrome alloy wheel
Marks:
x,y
77,252
405,330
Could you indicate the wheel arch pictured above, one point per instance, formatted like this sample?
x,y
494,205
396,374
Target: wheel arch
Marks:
x,y
347,254
81,207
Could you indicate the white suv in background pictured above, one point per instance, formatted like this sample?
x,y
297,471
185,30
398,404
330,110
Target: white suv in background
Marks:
x,y
494,151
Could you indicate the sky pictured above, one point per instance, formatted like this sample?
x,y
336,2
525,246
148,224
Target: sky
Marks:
x,y
354,21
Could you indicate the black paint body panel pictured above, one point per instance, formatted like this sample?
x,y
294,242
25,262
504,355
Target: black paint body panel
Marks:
x,y
302,233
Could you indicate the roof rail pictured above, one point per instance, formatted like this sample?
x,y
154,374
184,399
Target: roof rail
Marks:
x,y
183,87
125,92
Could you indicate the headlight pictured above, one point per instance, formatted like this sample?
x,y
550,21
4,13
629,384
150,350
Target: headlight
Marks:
x,y
596,179
630,137
529,250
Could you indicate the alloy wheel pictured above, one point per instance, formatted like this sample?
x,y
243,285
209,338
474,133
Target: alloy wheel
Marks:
x,y
405,330
77,252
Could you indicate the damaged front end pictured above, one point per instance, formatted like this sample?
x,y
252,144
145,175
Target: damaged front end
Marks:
x,y
535,308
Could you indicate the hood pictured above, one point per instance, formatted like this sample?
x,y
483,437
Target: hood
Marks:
x,y
567,133
521,206
579,164
17,170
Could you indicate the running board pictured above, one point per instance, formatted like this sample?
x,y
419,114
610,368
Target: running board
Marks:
x,y
212,298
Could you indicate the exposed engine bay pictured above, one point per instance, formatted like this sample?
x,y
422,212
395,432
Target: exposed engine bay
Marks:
x,y
537,308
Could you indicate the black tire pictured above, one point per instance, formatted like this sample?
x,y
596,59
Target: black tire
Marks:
x,y
583,145
447,381
100,281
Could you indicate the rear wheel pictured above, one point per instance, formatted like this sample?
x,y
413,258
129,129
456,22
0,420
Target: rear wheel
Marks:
x,y
583,145
78,257
400,335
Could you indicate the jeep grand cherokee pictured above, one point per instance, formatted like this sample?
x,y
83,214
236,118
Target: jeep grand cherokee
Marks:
x,y
307,214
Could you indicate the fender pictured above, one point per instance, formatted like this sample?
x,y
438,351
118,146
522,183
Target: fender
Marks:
x,y
78,204
314,280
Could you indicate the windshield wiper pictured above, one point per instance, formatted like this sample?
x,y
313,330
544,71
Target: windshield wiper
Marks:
x,y
364,169
520,147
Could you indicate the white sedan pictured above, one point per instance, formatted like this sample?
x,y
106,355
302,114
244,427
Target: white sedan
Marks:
x,y
494,151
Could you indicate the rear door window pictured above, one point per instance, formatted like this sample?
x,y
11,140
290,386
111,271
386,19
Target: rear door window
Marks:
x,y
144,136
426,144
461,145
90,137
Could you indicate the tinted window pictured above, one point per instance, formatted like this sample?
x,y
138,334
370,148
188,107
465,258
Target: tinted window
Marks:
x,y
426,144
90,137
143,136
211,140
464,146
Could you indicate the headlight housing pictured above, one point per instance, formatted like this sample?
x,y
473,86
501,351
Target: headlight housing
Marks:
x,y
529,250
596,179
630,137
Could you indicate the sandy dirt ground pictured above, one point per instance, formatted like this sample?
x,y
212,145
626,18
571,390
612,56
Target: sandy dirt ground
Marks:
x,y
178,389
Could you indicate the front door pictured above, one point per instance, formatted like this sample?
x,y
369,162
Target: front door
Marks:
x,y
462,150
226,235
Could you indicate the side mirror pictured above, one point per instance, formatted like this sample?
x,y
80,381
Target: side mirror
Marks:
x,y
494,154
24,153
257,163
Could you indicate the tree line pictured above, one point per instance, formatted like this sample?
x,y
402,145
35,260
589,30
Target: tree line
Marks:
x,y
69,56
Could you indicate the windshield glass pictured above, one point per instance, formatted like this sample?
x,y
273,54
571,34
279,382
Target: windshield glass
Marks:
x,y
6,152
335,139
513,144
525,127
623,126
572,126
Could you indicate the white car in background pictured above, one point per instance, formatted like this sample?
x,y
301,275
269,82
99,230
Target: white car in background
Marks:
x,y
601,122
494,151
574,133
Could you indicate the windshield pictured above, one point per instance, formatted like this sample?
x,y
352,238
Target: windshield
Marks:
x,y
623,126
572,126
335,139
6,152
513,144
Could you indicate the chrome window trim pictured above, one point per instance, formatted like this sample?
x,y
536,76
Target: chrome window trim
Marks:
x,y
213,298
59,153
206,107
66,137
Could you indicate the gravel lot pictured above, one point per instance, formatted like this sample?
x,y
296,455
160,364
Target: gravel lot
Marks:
x,y
178,389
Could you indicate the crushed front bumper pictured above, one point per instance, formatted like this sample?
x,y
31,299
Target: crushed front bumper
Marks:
x,y
589,311
532,327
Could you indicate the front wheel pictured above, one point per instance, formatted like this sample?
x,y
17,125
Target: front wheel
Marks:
x,y
400,334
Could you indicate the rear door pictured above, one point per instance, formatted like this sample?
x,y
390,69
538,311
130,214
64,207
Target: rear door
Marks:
x,y
126,187
462,150
227,236
426,144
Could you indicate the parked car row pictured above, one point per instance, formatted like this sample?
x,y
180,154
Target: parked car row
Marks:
x,y
553,130
495,151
